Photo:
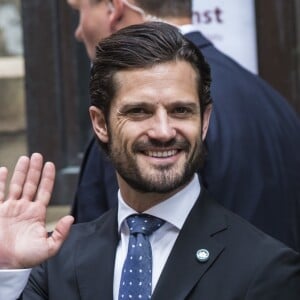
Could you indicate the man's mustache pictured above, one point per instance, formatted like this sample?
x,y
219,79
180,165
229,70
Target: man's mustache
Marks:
x,y
151,144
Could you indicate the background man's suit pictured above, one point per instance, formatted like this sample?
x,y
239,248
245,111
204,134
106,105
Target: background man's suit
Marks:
x,y
253,166
244,263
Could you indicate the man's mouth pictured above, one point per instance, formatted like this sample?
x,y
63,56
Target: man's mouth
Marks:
x,y
161,154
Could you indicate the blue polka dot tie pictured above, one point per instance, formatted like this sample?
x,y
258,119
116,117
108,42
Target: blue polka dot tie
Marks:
x,y
136,279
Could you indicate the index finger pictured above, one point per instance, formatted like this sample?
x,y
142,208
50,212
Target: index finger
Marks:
x,y
33,175
46,184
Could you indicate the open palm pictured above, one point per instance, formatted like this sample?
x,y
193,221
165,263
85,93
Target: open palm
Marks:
x,y
23,235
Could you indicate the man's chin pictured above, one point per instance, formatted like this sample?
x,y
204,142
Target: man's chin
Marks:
x,y
160,182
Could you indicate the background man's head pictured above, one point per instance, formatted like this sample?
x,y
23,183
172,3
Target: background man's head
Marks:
x,y
94,22
99,18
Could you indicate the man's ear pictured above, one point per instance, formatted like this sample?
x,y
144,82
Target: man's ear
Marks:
x,y
205,121
116,13
99,123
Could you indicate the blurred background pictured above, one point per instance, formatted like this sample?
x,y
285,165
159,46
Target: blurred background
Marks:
x,y
44,73
12,92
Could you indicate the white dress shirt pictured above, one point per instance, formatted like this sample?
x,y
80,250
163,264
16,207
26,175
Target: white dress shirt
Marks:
x,y
187,28
174,211
12,283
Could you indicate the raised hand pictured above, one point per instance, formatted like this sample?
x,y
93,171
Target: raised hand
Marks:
x,y
24,241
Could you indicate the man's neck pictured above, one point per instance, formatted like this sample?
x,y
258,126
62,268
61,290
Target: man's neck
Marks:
x,y
178,21
142,201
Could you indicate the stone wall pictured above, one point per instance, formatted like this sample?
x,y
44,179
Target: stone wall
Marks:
x,y
12,99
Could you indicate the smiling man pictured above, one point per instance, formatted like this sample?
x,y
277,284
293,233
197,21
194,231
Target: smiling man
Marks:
x,y
153,132
167,239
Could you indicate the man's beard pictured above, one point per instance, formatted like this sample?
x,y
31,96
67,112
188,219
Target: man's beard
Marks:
x,y
166,178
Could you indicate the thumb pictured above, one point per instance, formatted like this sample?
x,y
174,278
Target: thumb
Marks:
x,y
59,234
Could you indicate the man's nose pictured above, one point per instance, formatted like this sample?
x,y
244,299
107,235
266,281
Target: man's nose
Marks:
x,y
162,128
78,33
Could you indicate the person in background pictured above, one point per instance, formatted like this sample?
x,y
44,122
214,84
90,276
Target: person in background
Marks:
x,y
167,239
253,141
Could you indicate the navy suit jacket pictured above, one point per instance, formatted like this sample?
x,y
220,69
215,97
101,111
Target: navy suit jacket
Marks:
x,y
244,263
253,163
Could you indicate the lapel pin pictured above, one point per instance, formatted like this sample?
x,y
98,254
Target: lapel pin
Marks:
x,y
202,255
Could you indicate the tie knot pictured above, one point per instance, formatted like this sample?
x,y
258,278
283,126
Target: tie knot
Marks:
x,y
143,223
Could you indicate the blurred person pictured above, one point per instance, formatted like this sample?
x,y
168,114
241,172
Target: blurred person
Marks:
x,y
253,141
150,110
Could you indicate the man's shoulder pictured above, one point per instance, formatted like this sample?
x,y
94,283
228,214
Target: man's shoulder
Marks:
x,y
242,232
238,234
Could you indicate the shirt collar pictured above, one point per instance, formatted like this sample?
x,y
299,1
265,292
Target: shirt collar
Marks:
x,y
173,210
187,28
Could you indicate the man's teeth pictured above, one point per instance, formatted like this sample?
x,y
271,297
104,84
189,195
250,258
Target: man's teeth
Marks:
x,y
161,153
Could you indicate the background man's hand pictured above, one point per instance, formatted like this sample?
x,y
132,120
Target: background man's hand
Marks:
x,y
24,241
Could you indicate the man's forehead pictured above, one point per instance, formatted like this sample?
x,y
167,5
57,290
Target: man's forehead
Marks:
x,y
97,1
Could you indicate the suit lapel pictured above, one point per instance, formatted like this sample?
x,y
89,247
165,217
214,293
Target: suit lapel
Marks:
x,y
95,276
183,270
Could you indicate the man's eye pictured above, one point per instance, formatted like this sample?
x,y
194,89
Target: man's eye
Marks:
x,y
182,110
137,112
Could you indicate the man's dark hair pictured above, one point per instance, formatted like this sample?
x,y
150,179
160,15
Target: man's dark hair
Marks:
x,y
140,47
166,8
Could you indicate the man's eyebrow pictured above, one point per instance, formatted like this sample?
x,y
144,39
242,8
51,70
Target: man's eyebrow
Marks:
x,y
190,104
184,102
128,106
